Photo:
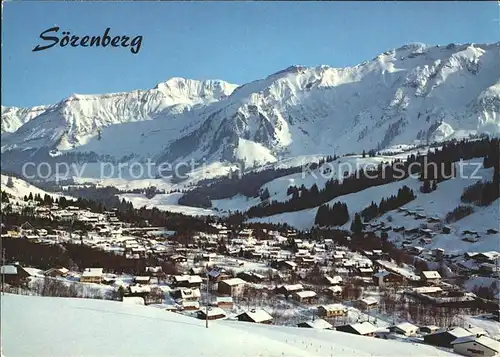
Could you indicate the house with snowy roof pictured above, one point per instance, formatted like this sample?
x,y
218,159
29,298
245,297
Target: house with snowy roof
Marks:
x,y
231,287
317,324
92,275
305,297
404,328
332,310
476,346
430,276
259,316
363,329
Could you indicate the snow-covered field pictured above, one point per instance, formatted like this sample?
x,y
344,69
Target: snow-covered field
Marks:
x,y
44,326
435,204
21,188
165,202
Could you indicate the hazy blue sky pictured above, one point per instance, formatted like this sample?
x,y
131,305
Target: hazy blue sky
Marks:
x,y
234,41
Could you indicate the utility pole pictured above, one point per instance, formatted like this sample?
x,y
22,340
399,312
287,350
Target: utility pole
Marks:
x,y
3,272
206,311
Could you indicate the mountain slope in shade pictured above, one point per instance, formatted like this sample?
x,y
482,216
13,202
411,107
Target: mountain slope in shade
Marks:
x,y
416,93
13,118
73,121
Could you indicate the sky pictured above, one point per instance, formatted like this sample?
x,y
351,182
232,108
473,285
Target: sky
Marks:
x,y
234,41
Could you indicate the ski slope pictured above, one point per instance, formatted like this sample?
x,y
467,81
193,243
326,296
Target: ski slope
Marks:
x,y
45,326
435,204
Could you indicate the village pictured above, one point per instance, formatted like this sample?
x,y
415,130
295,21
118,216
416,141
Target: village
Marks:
x,y
261,275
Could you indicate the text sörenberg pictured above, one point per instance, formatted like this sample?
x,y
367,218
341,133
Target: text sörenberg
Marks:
x,y
105,40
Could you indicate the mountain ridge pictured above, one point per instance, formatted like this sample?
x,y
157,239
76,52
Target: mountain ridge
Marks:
x,y
413,93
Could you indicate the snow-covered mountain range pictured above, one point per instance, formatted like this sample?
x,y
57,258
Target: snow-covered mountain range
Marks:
x,y
413,93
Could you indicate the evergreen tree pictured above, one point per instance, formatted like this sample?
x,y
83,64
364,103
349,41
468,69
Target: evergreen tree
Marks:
x,y
434,185
426,187
10,182
357,225
265,195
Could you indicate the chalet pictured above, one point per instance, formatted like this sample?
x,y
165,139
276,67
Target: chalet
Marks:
x,y
476,331
428,329
486,257
366,272
142,279
377,254
336,280
218,274
304,296
189,305
225,302
289,289
405,328
492,231
469,232
92,275
13,274
384,278
445,338
489,269
412,230
317,324
367,303
428,290
417,250
334,290
470,239
430,276
197,271
363,329
134,300
256,316
208,257
446,230
186,294
251,277
338,256
177,258
476,346
231,287
214,313
398,229
56,272
188,281
284,265
332,310
154,271
438,253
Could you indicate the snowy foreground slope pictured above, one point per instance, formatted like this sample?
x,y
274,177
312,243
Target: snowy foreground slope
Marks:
x,y
44,326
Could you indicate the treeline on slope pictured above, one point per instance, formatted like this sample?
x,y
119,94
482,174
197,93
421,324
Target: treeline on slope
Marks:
x,y
483,193
248,185
104,199
336,215
422,165
404,195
